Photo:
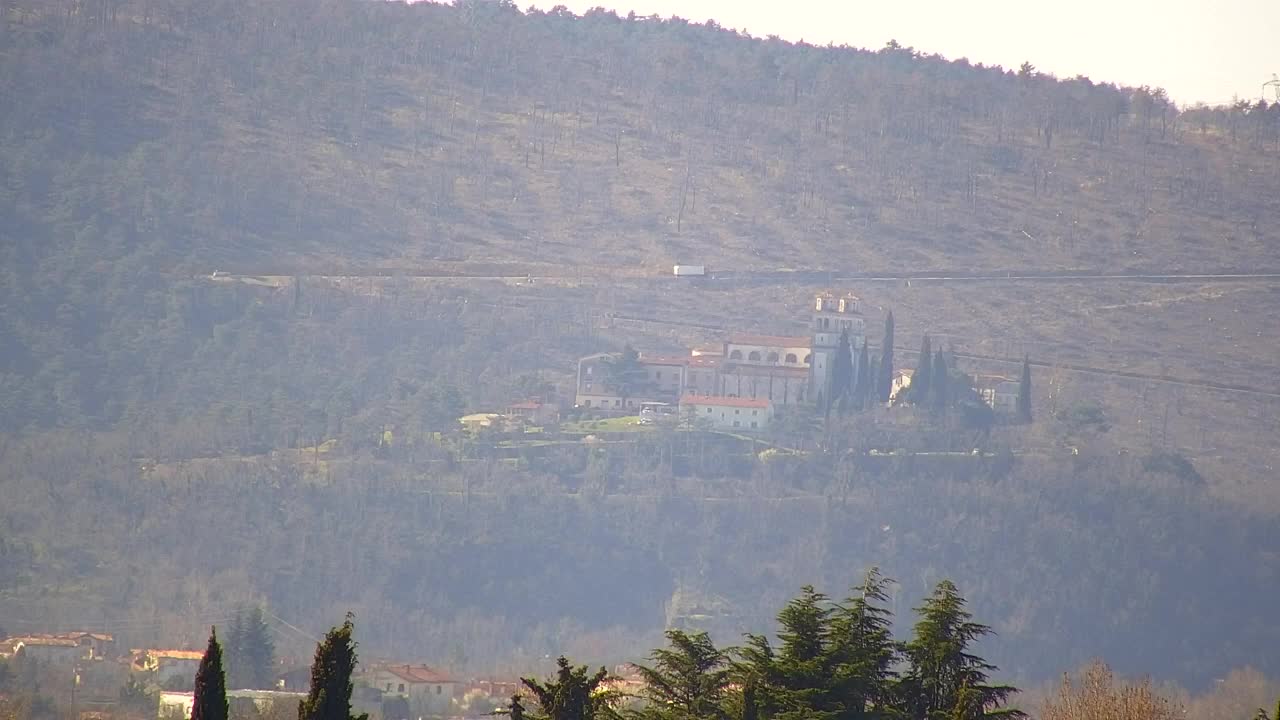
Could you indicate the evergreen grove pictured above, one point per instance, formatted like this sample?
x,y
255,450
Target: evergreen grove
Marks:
x,y
831,660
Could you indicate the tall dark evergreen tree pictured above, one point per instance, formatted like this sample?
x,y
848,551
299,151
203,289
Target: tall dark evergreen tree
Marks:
x,y
237,667
516,709
330,695
863,651
210,701
862,388
625,375
258,651
1024,392
938,386
884,379
841,374
944,680
923,376
571,695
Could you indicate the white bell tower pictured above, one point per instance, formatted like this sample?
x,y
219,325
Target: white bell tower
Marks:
x,y
833,315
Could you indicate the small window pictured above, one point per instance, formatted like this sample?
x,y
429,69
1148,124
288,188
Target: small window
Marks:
x,y
737,412
585,403
735,355
755,412
401,688
791,358
808,359
754,356
388,687
708,411
736,423
773,357
753,423
439,689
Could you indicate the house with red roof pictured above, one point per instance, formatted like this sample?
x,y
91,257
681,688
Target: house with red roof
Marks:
x,y
429,691
727,413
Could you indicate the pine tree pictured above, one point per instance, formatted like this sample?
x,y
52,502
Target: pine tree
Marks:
x,y
237,675
572,694
1024,392
516,710
257,651
210,701
884,380
938,385
330,695
942,676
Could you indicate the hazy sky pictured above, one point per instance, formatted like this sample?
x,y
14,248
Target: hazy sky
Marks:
x,y
1196,49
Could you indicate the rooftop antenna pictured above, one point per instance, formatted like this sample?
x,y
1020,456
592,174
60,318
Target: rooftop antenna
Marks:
x,y
1274,84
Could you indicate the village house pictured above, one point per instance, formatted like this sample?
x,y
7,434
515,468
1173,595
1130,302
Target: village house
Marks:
x,y
241,703
901,381
166,666
997,391
534,412
727,413
49,650
430,692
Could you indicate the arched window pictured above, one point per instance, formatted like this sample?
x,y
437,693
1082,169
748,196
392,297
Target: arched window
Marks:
x,y
735,355
754,356
808,359
773,357
791,358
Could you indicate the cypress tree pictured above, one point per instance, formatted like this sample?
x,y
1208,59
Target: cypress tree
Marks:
x,y
884,380
938,385
210,701
841,374
1024,391
863,387
330,695
920,381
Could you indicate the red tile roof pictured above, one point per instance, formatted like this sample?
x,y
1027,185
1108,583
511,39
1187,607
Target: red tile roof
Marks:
x,y
779,341
720,401
706,361
418,674
527,405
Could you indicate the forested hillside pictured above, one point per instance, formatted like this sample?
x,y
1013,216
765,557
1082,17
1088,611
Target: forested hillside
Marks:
x,y
174,442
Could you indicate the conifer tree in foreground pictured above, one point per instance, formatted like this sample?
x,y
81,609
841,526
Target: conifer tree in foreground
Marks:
x,y
571,695
884,379
210,701
687,681
330,695
944,680
1024,392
